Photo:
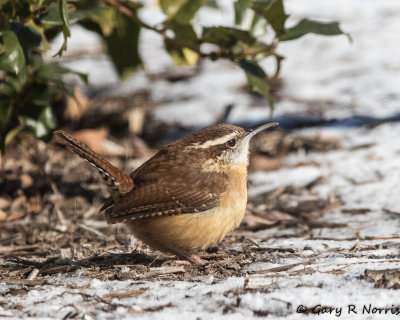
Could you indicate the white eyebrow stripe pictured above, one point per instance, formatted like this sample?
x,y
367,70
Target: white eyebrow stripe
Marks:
x,y
215,142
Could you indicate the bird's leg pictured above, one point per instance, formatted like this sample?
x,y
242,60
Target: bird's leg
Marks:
x,y
193,258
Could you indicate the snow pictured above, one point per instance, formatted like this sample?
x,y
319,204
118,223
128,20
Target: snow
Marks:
x,y
297,177
348,79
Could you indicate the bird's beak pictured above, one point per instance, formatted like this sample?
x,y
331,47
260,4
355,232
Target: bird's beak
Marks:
x,y
253,132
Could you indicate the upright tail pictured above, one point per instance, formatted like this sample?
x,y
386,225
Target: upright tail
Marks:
x,y
118,182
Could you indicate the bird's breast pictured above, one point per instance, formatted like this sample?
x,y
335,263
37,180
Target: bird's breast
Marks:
x,y
234,199
200,230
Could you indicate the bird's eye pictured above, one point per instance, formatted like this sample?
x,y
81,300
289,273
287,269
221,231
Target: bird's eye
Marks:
x,y
231,143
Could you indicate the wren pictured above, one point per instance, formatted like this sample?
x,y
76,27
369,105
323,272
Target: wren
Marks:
x,y
187,197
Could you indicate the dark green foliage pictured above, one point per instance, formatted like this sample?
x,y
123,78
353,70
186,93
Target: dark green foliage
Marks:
x,y
29,86
309,26
122,46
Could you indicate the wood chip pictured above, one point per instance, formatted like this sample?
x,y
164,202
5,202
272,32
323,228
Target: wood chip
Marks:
x,y
16,216
252,222
25,282
161,271
303,271
279,269
3,215
136,119
388,278
291,250
356,210
92,230
304,203
58,269
4,203
13,249
123,294
33,274
66,253
26,181
386,210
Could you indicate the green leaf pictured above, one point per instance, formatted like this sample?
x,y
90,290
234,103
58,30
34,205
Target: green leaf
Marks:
x,y
83,76
54,72
310,26
12,59
3,2
28,37
181,56
11,135
122,45
51,71
274,12
184,33
248,19
53,16
104,16
226,37
42,121
171,7
6,108
186,13
65,18
181,11
183,50
47,118
66,26
242,12
257,79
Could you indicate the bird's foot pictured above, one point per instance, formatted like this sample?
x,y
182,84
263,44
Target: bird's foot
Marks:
x,y
192,258
195,259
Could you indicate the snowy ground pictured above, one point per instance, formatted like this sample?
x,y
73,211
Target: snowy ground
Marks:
x,y
324,77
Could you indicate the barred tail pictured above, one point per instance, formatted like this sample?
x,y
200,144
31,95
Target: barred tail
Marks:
x,y
118,182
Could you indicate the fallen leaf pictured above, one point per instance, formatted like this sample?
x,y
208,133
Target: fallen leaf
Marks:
x,y
3,215
260,162
26,181
97,140
136,117
76,106
16,216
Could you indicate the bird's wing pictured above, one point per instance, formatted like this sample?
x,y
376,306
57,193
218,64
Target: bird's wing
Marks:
x,y
162,190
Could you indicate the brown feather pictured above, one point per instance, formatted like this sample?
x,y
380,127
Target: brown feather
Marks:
x,y
167,193
118,182
174,181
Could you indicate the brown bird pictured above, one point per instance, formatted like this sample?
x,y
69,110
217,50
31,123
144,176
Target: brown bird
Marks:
x,y
187,197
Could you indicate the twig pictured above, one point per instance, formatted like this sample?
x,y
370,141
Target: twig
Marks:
x,y
161,271
58,269
280,269
94,231
25,262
